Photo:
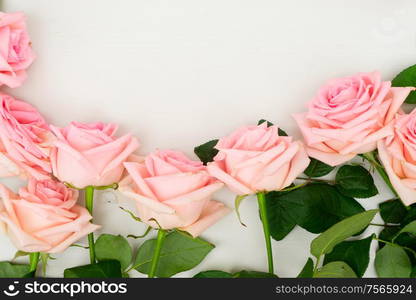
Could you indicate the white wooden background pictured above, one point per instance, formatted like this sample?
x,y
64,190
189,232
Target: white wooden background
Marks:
x,y
178,73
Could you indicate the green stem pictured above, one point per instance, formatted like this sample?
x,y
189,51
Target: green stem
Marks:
x,y
113,186
89,204
386,178
316,180
295,187
395,245
261,199
315,269
33,261
383,225
161,234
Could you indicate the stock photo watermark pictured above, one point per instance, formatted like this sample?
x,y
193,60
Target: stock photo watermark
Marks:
x,y
64,288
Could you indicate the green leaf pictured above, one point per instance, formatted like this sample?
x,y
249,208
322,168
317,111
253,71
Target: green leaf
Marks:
x,y
387,234
413,275
262,121
10,270
213,274
44,257
79,246
132,215
354,253
206,152
410,216
20,254
405,78
315,207
355,181
147,231
393,262
307,271
253,274
392,211
326,241
335,269
409,228
324,206
407,241
281,213
180,252
316,168
280,131
103,269
113,247
237,203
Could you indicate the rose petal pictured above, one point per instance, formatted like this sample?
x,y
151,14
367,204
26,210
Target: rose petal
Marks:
x,y
196,195
236,186
211,214
406,194
332,159
159,207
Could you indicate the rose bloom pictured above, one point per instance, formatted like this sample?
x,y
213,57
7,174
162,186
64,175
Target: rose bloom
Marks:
x,y
172,191
90,154
398,155
256,159
25,140
43,217
348,116
16,53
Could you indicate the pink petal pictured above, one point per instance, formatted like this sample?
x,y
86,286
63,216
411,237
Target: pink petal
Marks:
x,y
406,194
211,214
135,170
196,195
298,164
176,185
399,95
237,187
155,205
330,158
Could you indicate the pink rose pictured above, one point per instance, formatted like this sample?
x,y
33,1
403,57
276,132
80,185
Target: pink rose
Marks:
x,y
398,155
173,190
43,217
90,154
348,116
255,158
25,140
16,53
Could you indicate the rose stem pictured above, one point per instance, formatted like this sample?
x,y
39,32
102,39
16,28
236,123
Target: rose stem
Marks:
x,y
313,180
89,204
263,214
161,234
33,261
